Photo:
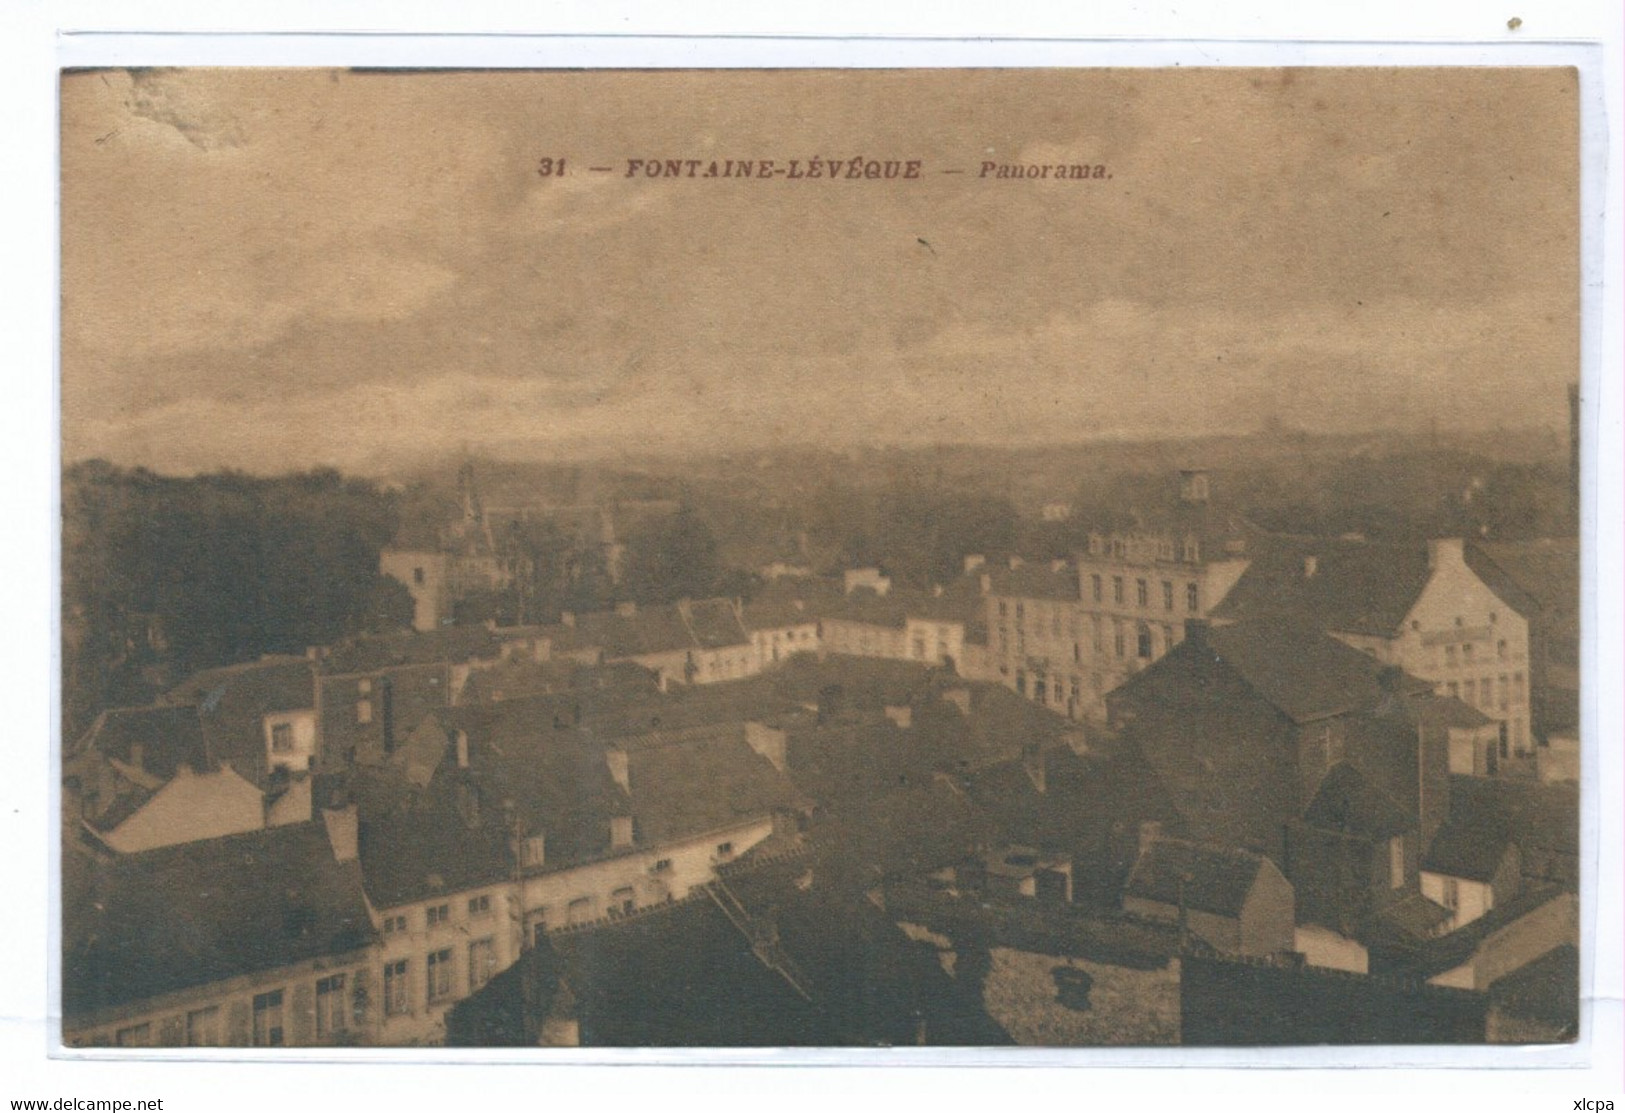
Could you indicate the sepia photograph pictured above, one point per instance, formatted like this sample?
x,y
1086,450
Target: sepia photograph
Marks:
x,y
820,558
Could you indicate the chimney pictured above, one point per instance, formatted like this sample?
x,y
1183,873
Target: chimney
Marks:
x,y
1058,565
568,618
1193,485
620,832
973,561
627,609
619,768
901,715
468,803
987,583
1311,565
343,832
1196,631
1014,561
1444,551
1033,761
460,740
1150,832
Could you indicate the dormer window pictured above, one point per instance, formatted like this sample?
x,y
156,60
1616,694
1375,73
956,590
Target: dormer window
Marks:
x,y
282,738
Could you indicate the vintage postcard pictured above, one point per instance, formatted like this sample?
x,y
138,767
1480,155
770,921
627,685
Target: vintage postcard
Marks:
x,y
971,558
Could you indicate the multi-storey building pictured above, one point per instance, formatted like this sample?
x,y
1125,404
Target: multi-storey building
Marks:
x,y
1065,634
1420,607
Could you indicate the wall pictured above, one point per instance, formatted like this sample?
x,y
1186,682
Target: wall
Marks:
x,y
1473,898
1324,947
166,1016
191,806
1267,914
415,691
1516,945
423,1022
429,598
302,726
1456,614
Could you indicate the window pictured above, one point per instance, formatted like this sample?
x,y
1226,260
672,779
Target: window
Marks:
x,y
535,850
439,982
363,711
1077,653
1193,598
417,575
1451,897
1450,655
268,1030
203,1027
1143,642
1040,690
437,916
1501,649
725,849
1396,862
1142,593
1100,640
1454,689
479,906
1021,614
662,866
1021,683
623,901
394,925
136,1035
1094,583
330,1018
1118,642
1517,689
482,962
1117,589
1502,695
1167,595
1469,691
1077,688
1002,608
1467,652
282,738
396,998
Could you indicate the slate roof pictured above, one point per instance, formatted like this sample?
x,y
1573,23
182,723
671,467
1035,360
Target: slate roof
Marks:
x,y
1543,819
1347,801
714,623
1358,587
1472,842
1305,674
702,783
232,703
1037,581
1207,878
448,645
168,737
164,920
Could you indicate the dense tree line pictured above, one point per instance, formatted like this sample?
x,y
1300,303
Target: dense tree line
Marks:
x,y
164,576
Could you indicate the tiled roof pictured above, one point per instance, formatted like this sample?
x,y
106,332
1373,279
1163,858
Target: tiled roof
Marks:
x,y
164,920
1205,878
1473,841
232,703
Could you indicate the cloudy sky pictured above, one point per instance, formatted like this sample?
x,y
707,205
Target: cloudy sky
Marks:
x,y
274,269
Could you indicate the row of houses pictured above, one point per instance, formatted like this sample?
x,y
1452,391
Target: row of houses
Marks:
x,y
418,878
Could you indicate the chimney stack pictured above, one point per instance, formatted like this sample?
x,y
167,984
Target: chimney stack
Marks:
x,y
973,561
1311,565
1034,762
619,768
1444,551
461,742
